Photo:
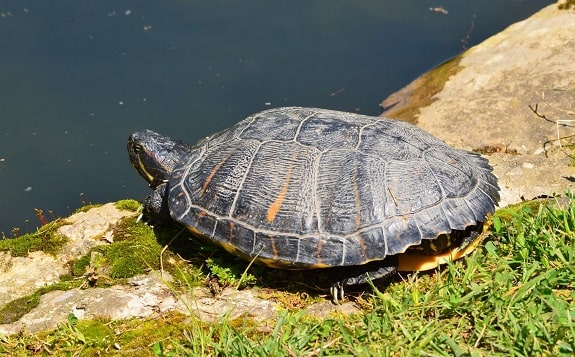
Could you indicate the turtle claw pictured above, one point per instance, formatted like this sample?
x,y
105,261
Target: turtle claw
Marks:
x,y
336,291
357,275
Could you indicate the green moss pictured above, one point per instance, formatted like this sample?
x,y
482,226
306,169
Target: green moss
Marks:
x,y
46,239
79,266
127,267
425,87
566,5
88,207
514,295
136,249
15,309
514,212
134,252
90,337
136,334
21,246
128,205
124,338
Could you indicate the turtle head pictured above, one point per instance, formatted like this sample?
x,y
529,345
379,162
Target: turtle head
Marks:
x,y
154,156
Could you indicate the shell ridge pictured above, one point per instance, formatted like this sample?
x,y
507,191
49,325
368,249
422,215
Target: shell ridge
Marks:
x,y
315,193
377,198
243,180
301,123
180,183
251,119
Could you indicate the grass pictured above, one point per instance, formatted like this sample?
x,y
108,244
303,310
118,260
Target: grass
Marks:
x,y
513,297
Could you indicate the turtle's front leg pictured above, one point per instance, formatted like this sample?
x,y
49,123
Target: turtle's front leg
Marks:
x,y
156,208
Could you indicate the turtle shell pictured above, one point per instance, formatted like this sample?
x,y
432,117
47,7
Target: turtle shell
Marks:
x,y
305,188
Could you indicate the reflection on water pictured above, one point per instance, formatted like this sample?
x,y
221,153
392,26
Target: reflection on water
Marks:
x,y
77,77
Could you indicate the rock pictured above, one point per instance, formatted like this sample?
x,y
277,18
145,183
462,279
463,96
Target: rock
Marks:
x,y
484,104
326,308
86,229
21,276
142,296
231,303
148,296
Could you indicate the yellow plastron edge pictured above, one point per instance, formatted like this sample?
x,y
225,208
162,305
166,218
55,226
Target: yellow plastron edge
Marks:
x,y
427,262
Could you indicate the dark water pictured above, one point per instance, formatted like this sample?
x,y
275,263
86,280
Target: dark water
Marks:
x,y
76,77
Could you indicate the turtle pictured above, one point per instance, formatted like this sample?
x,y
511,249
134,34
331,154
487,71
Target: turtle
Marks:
x,y
310,188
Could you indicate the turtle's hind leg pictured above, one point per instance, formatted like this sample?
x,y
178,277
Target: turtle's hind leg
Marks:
x,y
360,274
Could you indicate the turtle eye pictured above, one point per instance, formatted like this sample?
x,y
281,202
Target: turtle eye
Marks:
x,y
138,148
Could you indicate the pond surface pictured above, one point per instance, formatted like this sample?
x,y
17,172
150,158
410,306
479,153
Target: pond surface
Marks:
x,y
77,77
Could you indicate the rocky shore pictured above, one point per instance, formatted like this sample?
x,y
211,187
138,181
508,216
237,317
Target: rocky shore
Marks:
x,y
510,98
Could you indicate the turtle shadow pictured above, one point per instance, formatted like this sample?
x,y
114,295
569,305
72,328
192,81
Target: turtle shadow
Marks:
x,y
197,252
